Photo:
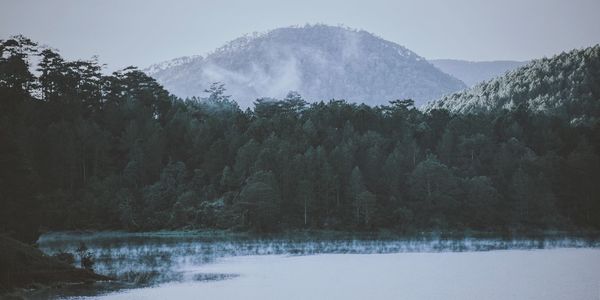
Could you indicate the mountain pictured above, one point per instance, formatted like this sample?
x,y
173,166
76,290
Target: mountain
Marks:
x,y
320,62
472,73
566,85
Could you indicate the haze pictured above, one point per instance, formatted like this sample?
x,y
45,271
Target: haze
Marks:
x,y
142,32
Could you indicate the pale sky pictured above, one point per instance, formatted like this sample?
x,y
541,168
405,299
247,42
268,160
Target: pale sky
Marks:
x,y
142,32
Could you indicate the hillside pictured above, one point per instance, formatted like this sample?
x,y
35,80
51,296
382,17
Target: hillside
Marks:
x,y
320,62
474,72
566,85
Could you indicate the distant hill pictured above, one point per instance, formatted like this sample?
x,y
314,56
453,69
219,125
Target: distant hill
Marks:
x,y
472,73
566,85
318,61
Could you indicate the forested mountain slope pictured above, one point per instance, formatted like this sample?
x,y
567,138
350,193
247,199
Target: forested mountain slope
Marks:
x,y
318,61
566,85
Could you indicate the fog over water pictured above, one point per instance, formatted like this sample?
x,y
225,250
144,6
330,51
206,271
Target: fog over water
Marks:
x,y
511,274
226,266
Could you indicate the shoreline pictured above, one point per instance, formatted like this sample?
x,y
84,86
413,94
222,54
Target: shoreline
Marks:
x,y
27,267
324,234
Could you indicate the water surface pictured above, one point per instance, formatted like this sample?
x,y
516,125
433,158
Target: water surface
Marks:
x,y
503,274
228,266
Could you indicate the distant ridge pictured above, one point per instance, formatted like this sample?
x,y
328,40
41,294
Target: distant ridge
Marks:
x,y
474,72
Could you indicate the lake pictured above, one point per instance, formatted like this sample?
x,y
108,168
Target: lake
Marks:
x,y
221,266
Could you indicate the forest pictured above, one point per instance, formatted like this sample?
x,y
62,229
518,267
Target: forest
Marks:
x,y
80,149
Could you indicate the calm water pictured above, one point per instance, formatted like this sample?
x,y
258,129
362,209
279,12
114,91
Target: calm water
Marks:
x,y
222,266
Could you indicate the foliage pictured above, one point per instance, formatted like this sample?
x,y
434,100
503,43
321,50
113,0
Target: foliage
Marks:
x,y
85,150
566,85
86,259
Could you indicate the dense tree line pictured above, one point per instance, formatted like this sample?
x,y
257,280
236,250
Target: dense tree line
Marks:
x,y
80,149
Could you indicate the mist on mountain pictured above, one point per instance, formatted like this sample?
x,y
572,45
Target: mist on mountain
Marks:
x,y
320,62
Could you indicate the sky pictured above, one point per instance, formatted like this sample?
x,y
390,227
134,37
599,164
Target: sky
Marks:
x,y
143,32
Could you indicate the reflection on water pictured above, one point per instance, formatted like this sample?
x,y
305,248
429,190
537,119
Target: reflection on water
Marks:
x,y
213,276
146,259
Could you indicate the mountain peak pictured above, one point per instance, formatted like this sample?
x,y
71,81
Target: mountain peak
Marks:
x,y
319,61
